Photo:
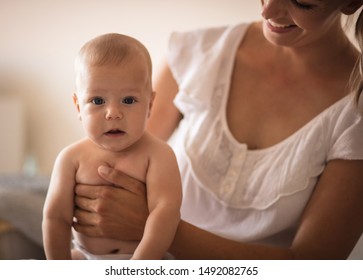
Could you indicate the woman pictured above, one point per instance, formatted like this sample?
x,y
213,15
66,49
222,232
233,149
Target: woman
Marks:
x,y
267,140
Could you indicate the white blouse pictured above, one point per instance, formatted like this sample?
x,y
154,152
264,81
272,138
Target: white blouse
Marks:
x,y
234,192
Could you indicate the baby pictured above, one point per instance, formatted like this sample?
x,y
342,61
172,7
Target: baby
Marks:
x,y
114,97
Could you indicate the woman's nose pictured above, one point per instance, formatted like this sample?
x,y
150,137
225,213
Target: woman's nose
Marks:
x,y
273,9
113,112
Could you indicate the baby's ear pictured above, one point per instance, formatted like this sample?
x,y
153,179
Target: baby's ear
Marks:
x,y
151,103
75,101
352,7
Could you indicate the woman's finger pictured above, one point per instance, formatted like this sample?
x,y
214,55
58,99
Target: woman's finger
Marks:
x,y
85,218
120,179
90,231
91,192
85,203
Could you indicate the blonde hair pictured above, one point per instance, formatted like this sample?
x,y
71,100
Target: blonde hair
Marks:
x,y
110,49
356,78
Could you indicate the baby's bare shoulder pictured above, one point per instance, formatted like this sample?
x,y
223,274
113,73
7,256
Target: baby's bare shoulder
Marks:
x,y
155,144
76,149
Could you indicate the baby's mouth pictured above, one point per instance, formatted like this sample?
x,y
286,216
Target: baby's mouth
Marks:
x,y
114,132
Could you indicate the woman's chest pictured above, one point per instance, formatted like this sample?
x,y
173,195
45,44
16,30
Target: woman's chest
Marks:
x,y
265,108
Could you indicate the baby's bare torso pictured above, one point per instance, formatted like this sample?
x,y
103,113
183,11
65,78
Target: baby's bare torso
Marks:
x,y
90,158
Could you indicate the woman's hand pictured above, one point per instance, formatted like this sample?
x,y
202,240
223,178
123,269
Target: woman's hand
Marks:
x,y
118,211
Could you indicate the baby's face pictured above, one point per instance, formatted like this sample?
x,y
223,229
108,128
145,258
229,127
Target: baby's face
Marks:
x,y
114,103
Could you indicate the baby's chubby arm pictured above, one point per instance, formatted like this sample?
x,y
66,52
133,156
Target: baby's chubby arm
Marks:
x,y
59,206
164,196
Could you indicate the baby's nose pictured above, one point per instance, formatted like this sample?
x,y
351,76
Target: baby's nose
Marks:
x,y
113,112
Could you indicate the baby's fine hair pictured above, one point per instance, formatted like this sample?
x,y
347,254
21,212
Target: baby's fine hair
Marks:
x,y
110,49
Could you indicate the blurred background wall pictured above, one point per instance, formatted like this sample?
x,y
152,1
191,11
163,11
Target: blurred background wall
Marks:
x,y
39,40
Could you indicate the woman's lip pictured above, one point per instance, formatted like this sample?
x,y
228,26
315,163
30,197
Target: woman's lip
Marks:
x,y
279,28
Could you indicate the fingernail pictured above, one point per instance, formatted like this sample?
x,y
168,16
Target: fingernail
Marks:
x,y
104,170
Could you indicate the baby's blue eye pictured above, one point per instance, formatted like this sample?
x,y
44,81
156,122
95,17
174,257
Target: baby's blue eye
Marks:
x,y
98,101
129,100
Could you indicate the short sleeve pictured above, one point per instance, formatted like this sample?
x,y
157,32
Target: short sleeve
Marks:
x,y
347,135
190,53
197,60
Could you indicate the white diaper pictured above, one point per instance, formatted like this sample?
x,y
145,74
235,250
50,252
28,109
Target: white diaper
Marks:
x,y
90,256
